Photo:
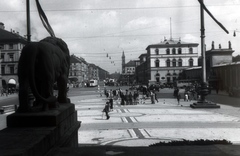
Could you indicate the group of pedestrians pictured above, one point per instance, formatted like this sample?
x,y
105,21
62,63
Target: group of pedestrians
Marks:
x,y
7,91
119,96
190,93
126,97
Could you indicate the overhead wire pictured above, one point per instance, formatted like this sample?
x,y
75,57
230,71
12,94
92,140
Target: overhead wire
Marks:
x,y
119,8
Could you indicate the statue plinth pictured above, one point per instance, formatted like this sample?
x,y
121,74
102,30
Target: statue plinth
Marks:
x,y
40,133
202,103
41,119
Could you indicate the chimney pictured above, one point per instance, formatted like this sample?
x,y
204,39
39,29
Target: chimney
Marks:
x,y
2,26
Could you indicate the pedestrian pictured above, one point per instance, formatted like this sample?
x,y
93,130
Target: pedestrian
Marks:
x,y
122,98
186,96
152,97
135,97
6,91
115,96
176,91
2,92
130,98
178,97
106,109
144,90
111,100
143,98
126,98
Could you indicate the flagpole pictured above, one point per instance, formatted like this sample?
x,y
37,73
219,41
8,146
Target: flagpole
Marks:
x,y
28,21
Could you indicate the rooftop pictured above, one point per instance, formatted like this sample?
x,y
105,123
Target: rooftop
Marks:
x,y
172,43
11,37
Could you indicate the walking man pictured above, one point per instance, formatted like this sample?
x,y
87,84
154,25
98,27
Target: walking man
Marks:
x,y
106,110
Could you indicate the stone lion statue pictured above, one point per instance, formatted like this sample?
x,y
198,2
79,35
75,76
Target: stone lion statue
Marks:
x,y
42,64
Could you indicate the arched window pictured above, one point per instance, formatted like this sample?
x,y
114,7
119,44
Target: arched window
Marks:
x,y
167,51
179,62
174,51
157,63
174,62
179,50
157,77
168,62
157,51
168,77
190,50
190,62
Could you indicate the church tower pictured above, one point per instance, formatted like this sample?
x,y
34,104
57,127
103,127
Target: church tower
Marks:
x,y
123,63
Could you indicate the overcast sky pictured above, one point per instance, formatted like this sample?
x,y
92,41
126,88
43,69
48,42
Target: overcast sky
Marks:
x,y
94,28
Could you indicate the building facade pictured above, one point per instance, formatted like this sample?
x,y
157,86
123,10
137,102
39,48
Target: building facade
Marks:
x,y
103,74
81,71
78,69
93,72
11,44
164,61
221,72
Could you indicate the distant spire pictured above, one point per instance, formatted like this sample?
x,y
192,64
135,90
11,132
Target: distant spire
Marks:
x,y
123,55
170,28
123,63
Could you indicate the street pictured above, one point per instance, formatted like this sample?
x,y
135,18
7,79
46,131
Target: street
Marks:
x,y
145,124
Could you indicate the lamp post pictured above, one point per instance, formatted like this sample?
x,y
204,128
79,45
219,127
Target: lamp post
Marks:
x,y
202,103
234,33
128,71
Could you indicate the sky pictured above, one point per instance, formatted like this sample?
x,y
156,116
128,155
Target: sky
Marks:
x,y
94,29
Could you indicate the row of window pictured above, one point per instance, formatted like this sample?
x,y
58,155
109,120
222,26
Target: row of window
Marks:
x,y
174,51
130,69
168,79
174,62
10,70
11,56
10,46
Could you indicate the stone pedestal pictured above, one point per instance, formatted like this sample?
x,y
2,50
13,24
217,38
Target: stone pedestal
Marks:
x,y
204,105
41,132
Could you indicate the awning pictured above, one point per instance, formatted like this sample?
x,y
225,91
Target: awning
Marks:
x,y
12,81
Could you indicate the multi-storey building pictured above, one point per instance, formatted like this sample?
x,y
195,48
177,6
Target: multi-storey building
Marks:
x,y
93,72
78,69
103,74
164,61
81,71
11,44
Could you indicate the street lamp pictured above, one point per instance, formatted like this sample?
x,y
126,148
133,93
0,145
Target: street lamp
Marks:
x,y
202,103
128,71
234,33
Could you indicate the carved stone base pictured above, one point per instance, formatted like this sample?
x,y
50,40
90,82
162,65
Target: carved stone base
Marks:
x,y
204,105
40,133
